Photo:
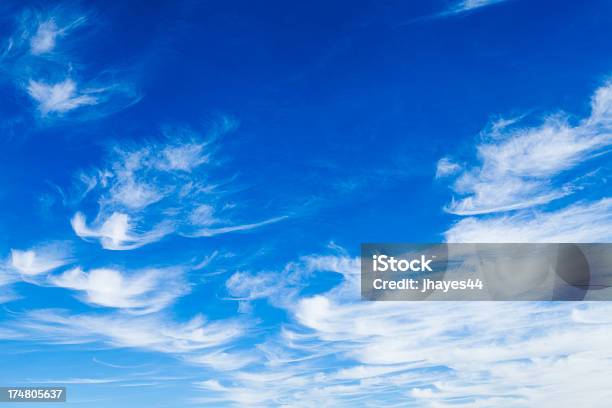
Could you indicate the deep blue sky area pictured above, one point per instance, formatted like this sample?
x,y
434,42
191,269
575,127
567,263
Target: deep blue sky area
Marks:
x,y
186,169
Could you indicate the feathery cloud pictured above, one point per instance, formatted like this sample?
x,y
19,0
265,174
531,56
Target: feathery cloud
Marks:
x,y
61,97
39,260
446,167
59,85
139,292
149,332
580,222
165,184
518,168
462,6
441,353
115,232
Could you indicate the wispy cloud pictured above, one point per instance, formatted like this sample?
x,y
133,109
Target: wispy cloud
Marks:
x,y
137,292
209,232
518,166
580,222
76,380
160,187
115,232
150,332
223,360
48,31
456,8
446,167
463,6
60,86
61,97
438,354
39,260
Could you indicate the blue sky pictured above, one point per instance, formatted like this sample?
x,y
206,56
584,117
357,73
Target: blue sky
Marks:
x,y
185,186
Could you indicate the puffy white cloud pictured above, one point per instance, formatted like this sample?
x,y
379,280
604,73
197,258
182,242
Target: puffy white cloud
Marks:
x,y
144,291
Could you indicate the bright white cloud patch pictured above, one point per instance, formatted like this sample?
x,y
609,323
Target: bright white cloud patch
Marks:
x,y
49,30
115,232
139,292
430,353
521,168
58,98
518,168
38,260
44,39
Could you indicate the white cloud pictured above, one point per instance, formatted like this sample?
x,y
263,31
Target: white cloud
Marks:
x,y
581,222
203,215
446,167
150,332
49,29
340,351
137,292
246,286
7,278
36,63
44,39
223,361
469,5
115,232
164,183
137,177
38,260
210,232
60,97
78,381
184,157
518,168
